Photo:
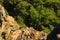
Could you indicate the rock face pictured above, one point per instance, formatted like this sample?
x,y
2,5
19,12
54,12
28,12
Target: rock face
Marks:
x,y
27,34
9,29
7,24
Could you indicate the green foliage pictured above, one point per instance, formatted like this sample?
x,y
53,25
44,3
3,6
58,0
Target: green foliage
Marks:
x,y
58,13
46,30
1,1
40,14
20,21
53,1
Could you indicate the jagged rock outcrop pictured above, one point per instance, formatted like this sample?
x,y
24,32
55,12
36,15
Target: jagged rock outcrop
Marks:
x,y
7,24
9,29
28,34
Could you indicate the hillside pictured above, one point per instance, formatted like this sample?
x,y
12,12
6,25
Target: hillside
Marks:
x,y
9,29
29,19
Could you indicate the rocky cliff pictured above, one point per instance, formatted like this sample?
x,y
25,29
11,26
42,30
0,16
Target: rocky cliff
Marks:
x,y
7,24
9,29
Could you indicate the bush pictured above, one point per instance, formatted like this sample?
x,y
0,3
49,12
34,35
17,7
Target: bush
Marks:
x,y
35,13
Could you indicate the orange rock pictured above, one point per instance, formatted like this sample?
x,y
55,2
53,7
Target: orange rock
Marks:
x,y
15,34
43,35
9,19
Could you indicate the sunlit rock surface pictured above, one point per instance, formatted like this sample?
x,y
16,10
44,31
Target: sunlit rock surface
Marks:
x,y
9,29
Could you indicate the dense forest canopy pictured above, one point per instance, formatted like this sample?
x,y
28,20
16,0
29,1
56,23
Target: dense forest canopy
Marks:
x,y
40,14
